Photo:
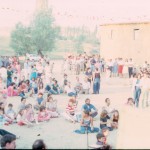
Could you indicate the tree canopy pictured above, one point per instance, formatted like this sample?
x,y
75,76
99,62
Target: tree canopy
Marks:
x,y
39,35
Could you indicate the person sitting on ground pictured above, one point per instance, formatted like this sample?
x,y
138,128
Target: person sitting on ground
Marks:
x,y
115,119
43,115
100,139
70,111
51,106
105,132
22,89
108,107
85,86
29,114
11,113
64,82
90,108
3,119
23,104
105,120
70,90
8,142
39,144
78,85
130,102
55,88
11,90
86,125
21,119
34,87
39,101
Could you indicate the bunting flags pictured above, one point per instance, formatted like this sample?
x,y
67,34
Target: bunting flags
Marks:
x,y
76,16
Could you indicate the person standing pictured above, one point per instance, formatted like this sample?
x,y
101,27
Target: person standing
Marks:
x,y
130,67
137,90
96,81
145,84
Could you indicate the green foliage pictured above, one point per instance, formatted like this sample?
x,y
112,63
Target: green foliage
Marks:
x,y
20,39
39,35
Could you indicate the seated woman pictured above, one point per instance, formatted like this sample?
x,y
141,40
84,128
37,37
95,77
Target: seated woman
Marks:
x,y
43,114
12,91
115,119
21,119
51,106
104,120
70,113
86,125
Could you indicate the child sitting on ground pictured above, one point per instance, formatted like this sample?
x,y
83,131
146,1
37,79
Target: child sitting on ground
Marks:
x,y
11,113
39,101
70,111
115,119
86,125
21,119
3,119
51,106
29,114
43,114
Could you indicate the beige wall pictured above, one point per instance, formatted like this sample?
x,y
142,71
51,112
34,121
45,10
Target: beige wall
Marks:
x,y
123,44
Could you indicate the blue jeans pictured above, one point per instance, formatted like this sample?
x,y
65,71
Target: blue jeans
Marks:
x,y
137,94
22,94
48,88
35,90
9,81
96,86
72,94
103,126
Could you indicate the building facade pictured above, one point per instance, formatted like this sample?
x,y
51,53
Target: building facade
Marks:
x,y
126,40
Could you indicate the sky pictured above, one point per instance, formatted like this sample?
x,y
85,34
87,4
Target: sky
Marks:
x,y
77,12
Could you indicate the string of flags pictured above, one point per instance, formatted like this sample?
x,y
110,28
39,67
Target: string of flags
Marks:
x,y
74,16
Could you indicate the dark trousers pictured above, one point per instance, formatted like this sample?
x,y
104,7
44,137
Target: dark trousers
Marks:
x,y
130,70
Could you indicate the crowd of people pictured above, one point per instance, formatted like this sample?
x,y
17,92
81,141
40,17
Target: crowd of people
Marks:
x,y
36,79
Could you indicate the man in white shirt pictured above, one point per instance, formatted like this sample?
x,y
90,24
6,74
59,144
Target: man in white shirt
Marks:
x,y
130,67
86,86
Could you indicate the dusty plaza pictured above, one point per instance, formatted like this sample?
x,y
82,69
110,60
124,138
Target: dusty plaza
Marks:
x,y
74,74
58,132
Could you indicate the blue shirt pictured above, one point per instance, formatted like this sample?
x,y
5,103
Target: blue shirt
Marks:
x,y
40,100
88,107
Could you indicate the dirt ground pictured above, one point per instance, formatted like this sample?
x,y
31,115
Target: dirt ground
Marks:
x,y
58,133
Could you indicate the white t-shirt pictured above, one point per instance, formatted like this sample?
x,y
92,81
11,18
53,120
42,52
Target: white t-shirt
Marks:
x,y
86,85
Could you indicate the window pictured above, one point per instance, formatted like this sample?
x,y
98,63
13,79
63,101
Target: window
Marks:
x,y
136,34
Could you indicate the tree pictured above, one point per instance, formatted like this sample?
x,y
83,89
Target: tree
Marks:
x,y
44,33
79,43
20,39
40,35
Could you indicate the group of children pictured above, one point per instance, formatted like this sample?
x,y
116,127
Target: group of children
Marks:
x,y
28,114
